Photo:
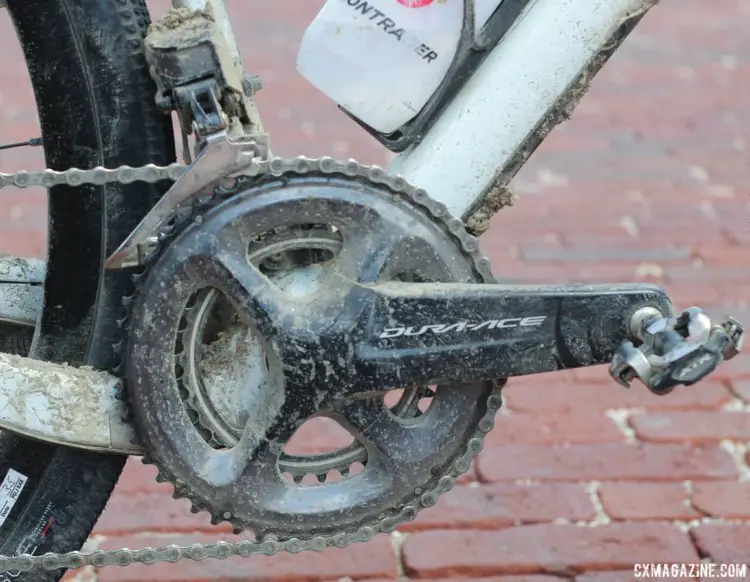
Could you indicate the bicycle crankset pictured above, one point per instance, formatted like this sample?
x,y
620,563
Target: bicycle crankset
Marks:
x,y
248,322
312,289
305,288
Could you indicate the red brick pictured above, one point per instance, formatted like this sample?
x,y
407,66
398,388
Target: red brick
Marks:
x,y
555,549
85,575
554,394
547,428
728,544
137,477
152,512
632,254
646,501
24,243
728,499
734,298
504,505
724,255
742,389
605,462
699,428
697,294
734,369
360,561
138,504
682,275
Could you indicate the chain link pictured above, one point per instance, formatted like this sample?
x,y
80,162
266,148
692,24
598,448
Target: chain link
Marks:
x,y
270,545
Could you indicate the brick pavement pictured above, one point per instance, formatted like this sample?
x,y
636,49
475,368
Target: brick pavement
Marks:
x,y
648,182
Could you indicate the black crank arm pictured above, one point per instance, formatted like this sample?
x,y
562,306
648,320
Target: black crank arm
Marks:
x,y
432,333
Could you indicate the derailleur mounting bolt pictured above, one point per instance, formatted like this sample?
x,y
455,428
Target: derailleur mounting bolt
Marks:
x,y
252,84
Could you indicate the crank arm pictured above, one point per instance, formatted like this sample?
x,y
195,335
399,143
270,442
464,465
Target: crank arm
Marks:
x,y
64,405
425,334
432,333
221,157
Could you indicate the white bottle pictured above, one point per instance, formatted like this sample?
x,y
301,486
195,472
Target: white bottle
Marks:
x,y
381,60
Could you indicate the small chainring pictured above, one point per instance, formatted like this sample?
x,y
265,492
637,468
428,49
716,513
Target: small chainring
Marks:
x,y
191,401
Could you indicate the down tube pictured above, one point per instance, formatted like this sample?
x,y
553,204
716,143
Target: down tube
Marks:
x,y
527,85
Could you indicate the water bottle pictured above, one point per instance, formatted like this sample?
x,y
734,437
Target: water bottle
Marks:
x,y
382,60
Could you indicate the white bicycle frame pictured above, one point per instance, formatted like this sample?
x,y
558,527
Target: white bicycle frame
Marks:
x,y
532,79
541,66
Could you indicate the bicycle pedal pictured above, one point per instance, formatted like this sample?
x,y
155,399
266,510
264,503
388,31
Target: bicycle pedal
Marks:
x,y
674,351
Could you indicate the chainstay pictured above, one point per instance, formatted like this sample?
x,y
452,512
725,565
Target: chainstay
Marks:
x,y
270,545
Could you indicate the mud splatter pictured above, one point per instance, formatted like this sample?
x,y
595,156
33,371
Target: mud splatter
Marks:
x,y
58,399
497,199
14,268
183,18
237,382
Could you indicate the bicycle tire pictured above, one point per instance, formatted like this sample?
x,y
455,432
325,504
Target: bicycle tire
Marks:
x,y
96,106
15,339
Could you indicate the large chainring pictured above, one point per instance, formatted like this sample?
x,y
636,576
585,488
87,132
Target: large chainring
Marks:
x,y
199,373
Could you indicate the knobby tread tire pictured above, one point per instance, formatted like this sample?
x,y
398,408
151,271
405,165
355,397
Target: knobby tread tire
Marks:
x,y
15,339
96,107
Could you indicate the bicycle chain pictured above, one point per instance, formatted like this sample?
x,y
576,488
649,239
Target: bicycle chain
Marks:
x,y
269,545
97,176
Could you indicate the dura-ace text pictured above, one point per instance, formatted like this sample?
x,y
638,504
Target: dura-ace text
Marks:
x,y
460,326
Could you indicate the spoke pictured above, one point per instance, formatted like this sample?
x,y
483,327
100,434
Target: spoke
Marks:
x,y
33,142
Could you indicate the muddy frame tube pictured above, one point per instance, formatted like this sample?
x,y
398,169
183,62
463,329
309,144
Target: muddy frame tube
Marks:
x,y
530,82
